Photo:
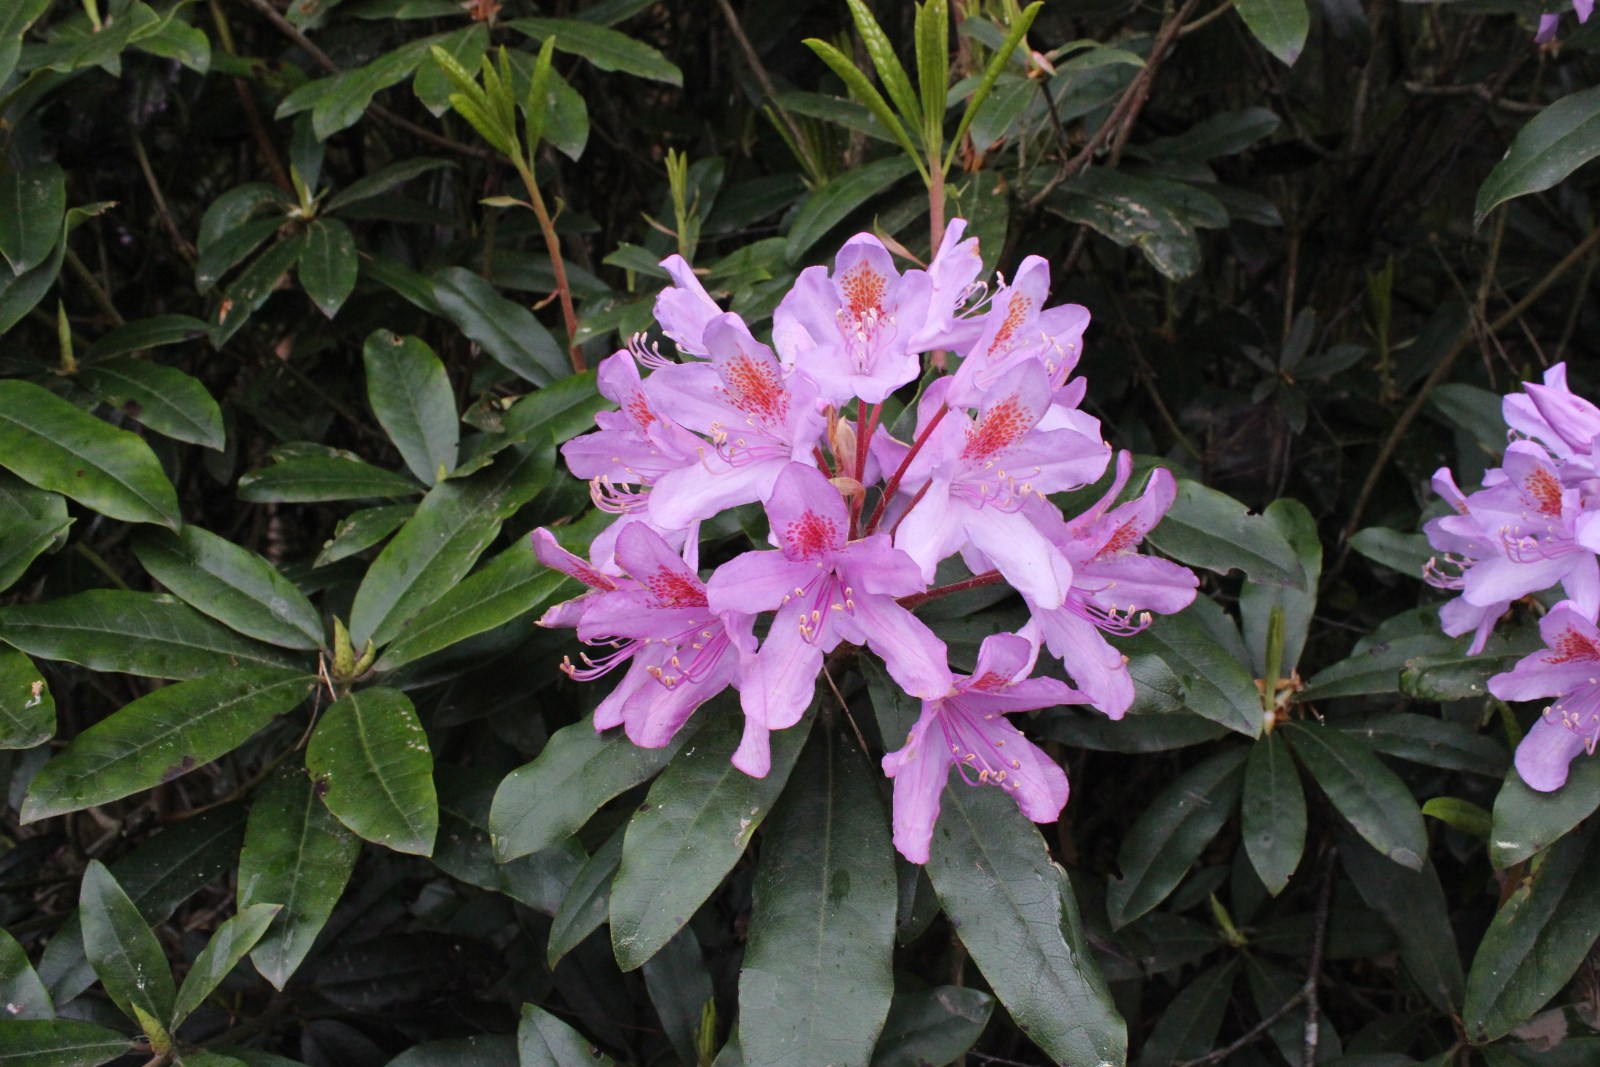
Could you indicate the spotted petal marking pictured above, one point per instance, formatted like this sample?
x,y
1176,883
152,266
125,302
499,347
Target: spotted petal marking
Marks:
x,y
1572,645
1000,427
811,536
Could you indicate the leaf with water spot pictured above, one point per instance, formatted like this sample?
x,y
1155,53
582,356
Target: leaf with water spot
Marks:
x,y
371,764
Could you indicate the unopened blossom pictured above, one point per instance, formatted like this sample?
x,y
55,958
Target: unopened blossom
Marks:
x,y
966,728
684,309
825,589
974,476
756,420
1568,669
1114,588
654,618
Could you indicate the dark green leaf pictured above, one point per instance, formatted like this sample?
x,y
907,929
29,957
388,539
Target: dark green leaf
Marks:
x,y
24,996
254,285
50,443
545,1041
59,1043
1280,25
389,178
505,329
154,636
1211,680
1271,986
1413,905
1364,791
360,530
1016,916
1537,940
1431,741
312,479
1461,814
816,982
1554,143
464,850
679,984
542,803
222,953
1403,552
410,394
588,900
32,521
328,265
935,1026
1527,821
563,409
1170,834
1205,528
33,206
1188,1027
605,48
831,204
295,854
165,399
123,950
1273,813
372,767
163,735
1297,602
512,585
232,585
230,248
479,1050
1376,661
27,710
1224,134
437,546
14,22
693,827
1156,217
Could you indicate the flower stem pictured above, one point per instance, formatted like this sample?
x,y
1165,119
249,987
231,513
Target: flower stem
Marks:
x,y
977,582
894,479
552,243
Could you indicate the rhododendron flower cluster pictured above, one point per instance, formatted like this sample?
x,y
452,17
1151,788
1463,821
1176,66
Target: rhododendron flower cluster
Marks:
x,y
1534,525
860,521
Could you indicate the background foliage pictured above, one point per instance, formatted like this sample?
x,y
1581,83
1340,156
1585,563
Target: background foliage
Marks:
x,y
286,357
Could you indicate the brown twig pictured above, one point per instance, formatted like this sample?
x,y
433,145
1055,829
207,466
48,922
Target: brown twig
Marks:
x,y
1119,124
986,578
247,101
759,70
184,246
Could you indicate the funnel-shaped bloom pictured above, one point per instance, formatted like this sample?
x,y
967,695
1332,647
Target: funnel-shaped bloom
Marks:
x,y
825,589
1114,588
1019,328
976,475
967,728
655,619
1569,670
635,445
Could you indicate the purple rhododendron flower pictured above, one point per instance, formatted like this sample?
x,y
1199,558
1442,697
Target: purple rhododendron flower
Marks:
x,y
966,728
1569,670
825,590
860,521
1551,20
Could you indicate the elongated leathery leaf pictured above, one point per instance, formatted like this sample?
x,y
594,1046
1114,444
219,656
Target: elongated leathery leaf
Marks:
x,y
123,950
828,205
817,980
1172,832
934,1026
1541,934
587,901
437,546
1413,905
33,203
328,265
506,330
163,735
1205,528
1527,821
232,585
545,1040
54,445
694,825
1273,813
542,803
1014,909
606,48
227,947
1554,143
1367,793
1211,679
410,393
1280,25
310,479
155,636
59,1043
163,398
27,710
1297,602
21,991
371,764
298,855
